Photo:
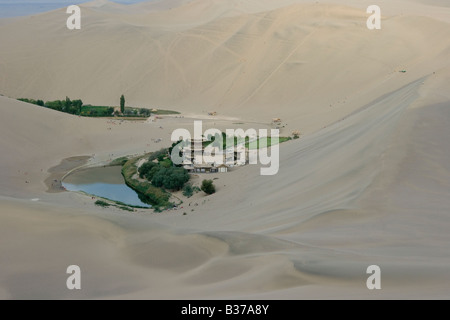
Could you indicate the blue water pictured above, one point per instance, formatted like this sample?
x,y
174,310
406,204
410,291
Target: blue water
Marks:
x,y
114,192
14,8
104,182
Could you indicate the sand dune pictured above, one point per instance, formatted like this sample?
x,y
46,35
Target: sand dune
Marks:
x,y
266,61
368,183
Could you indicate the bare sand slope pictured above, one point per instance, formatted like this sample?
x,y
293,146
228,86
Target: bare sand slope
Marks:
x,y
305,62
308,234
372,187
342,200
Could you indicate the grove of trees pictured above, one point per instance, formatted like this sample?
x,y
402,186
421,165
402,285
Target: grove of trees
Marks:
x,y
162,173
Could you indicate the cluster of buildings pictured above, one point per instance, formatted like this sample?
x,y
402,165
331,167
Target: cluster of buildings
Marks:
x,y
195,161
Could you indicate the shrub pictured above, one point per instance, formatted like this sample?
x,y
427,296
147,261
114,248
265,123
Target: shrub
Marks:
x,y
144,112
208,187
166,163
188,191
126,208
145,171
119,161
102,203
160,154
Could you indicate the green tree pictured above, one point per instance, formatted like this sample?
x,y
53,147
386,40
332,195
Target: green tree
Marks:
x,y
122,104
158,178
146,169
66,105
188,191
77,104
208,187
175,178
55,105
144,112
170,178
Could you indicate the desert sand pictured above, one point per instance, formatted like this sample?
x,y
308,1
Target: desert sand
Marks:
x,y
367,183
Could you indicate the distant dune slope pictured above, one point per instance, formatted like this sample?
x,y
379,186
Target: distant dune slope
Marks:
x,y
303,62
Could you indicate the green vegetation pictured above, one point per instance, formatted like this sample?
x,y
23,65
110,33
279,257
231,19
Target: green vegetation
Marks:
x,y
76,107
126,208
265,142
158,155
163,112
67,105
144,112
160,175
96,111
102,203
260,143
134,112
119,161
208,187
36,102
188,191
122,104
166,163
172,178
117,204
148,170
160,171
147,192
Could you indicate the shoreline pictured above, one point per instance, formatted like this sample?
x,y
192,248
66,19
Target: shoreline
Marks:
x,y
60,171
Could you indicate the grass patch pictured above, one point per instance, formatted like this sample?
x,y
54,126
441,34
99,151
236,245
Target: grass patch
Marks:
x,y
126,208
117,204
119,161
95,111
163,112
260,143
265,142
102,203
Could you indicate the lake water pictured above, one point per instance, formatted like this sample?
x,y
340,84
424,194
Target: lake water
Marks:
x,y
104,182
14,8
